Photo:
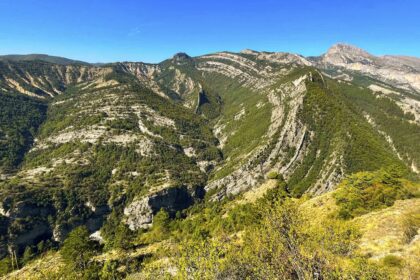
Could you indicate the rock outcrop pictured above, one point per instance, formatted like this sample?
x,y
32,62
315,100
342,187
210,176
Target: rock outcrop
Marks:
x,y
139,213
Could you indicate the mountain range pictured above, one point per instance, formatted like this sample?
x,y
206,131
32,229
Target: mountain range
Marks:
x,y
111,146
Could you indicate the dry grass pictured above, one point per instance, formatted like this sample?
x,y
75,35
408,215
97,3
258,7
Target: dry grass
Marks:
x,y
385,231
252,195
44,268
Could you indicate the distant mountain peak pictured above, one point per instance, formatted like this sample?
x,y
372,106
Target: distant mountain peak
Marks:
x,y
342,54
401,71
249,51
181,56
347,49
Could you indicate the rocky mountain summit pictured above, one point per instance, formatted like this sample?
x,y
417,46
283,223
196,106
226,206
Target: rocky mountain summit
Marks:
x,y
111,145
399,71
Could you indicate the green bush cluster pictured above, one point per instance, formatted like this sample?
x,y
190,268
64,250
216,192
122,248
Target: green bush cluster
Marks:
x,y
364,192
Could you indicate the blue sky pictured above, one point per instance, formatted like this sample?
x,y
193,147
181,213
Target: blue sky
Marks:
x,y
151,31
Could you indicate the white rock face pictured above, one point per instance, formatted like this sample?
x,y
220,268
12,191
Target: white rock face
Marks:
x,y
139,213
42,84
240,114
3,212
341,54
241,61
247,71
402,61
189,152
205,165
284,58
97,236
145,73
376,88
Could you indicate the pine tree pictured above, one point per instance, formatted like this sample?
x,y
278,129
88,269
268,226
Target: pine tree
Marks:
x,y
78,249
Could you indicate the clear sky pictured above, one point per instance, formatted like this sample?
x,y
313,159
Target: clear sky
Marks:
x,y
151,31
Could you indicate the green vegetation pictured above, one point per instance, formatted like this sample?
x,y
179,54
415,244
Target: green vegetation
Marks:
x,y
411,224
364,192
273,175
105,144
244,123
42,57
77,252
388,117
339,127
392,261
5,266
83,178
282,243
20,118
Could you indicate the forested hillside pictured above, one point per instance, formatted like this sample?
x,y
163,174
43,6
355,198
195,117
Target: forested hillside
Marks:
x,y
20,118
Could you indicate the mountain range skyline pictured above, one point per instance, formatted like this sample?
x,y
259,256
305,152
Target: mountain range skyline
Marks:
x,y
139,31
33,56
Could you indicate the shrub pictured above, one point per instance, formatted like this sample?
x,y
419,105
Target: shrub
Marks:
x,y
282,245
160,229
364,192
28,255
273,175
78,249
392,261
5,266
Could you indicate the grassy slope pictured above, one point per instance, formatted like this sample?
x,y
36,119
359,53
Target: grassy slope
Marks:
x,y
382,231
